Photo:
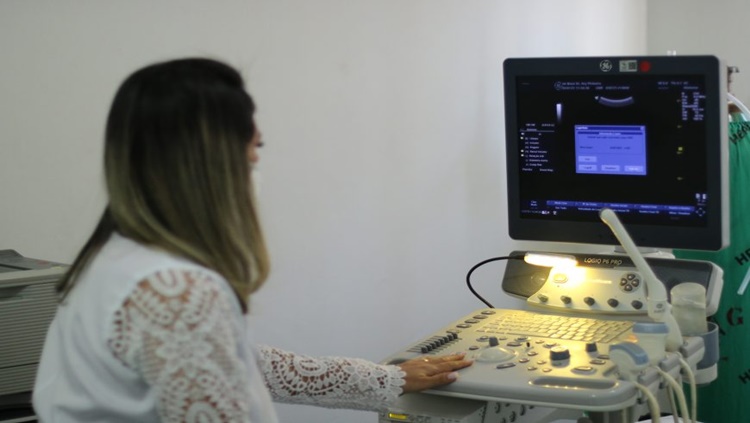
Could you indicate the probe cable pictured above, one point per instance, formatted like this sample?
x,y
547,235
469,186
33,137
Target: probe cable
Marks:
x,y
480,264
653,404
680,394
693,389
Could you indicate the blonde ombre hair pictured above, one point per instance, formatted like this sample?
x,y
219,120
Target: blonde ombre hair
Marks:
x,y
177,172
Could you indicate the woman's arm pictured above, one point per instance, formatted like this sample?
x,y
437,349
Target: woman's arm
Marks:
x,y
176,331
350,382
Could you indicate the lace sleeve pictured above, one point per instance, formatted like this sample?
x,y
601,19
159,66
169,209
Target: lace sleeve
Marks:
x,y
330,381
176,330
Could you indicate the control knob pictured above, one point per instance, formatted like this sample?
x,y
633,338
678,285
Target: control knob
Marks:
x,y
559,353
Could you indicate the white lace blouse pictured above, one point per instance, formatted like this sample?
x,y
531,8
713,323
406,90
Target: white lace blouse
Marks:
x,y
149,337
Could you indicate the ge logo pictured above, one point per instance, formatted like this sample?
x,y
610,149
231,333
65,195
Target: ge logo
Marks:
x,y
605,66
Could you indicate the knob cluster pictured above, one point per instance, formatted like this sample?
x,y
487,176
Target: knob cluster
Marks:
x,y
591,301
630,282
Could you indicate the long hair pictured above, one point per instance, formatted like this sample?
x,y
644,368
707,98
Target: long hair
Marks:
x,y
177,172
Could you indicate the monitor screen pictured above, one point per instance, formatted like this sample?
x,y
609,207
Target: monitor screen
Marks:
x,y
644,136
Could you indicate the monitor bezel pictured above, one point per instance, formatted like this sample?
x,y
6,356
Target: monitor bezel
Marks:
x,y
714,236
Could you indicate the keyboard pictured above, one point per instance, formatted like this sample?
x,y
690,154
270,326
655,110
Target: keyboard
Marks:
x,y
523,323
519,325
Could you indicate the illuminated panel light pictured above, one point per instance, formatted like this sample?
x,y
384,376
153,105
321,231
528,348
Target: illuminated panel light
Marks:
x,y
398,417
550,260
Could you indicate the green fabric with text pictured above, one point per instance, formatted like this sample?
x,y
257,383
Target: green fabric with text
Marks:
x,y
734,340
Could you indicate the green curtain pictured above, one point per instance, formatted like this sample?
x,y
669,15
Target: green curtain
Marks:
x,y
727,399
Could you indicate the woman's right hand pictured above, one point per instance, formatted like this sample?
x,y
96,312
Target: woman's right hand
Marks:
x,y
429,372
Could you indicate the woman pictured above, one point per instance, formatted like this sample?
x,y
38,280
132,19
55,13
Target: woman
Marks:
x,y
152,323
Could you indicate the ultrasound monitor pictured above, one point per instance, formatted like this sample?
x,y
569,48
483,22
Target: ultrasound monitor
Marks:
x,y
643,136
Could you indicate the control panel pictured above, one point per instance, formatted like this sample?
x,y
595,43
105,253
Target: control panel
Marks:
x,y
606,290
533,358
605,284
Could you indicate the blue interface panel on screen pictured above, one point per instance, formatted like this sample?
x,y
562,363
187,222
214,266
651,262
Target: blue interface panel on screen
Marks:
x,y
643,136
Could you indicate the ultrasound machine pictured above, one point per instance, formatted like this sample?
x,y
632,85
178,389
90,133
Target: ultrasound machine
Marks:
x,y
629,153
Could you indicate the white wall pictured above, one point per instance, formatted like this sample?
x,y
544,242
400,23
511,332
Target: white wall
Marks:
x,y
383,171
717,27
